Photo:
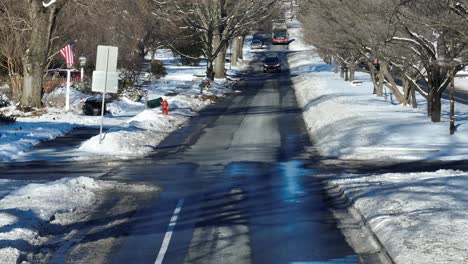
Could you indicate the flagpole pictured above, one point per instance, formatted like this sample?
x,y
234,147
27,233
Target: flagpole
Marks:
x,y
67,96
67,54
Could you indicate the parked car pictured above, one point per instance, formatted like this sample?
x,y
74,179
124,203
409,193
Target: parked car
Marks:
x,y
272,64
256,44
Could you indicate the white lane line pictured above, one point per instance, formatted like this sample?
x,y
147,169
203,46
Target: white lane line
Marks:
x,y
168,236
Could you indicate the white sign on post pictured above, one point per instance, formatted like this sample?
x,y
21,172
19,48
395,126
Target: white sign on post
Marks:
x,y
105,82
105,77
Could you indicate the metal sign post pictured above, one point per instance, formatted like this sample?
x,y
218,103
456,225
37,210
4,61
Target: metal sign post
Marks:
x,y
105,77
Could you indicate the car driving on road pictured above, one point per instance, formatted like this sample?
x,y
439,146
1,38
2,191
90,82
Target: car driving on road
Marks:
x,y
272,64
256,44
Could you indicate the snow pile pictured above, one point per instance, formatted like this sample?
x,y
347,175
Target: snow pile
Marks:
x,y
46,200
187,104
57,99
141,134
419,217
25,212
124,106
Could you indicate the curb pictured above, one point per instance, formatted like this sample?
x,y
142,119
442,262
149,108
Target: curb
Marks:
x,y
339,194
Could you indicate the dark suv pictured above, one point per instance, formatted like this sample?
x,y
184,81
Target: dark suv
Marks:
x,y
272,64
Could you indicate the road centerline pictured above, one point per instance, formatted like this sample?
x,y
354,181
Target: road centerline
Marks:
x,y
170,229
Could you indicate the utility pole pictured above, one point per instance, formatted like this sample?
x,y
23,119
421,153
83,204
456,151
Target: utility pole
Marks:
x,y
452,99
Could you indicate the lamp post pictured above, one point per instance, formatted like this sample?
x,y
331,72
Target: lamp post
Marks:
x,y
82,61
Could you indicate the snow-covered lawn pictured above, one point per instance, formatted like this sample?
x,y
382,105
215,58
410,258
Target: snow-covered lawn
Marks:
x,y
418,217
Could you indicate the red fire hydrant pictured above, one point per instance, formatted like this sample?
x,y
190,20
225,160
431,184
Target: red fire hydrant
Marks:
x,y
165,107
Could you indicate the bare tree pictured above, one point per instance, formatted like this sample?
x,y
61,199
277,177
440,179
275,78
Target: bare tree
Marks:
x,y
216,22
417,40
421,30
43,20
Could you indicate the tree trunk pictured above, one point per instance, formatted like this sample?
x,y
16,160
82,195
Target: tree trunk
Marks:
x,y
35,59
406,91
234,51
352,71
240,47
210,70
374,78
438,75
434,98
436,107
346,73
219,70
392,86
209,57
414,103
380,82
429,103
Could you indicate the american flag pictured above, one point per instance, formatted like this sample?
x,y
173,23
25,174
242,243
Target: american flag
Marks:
x,y
67,54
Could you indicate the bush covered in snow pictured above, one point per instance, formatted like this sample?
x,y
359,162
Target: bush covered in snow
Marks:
x,y
83,87
133,93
